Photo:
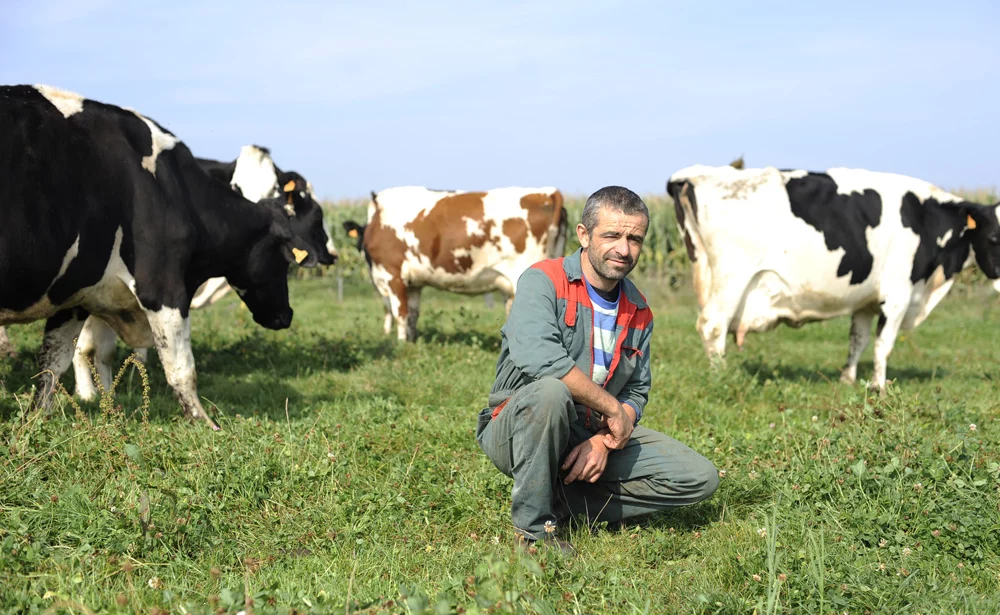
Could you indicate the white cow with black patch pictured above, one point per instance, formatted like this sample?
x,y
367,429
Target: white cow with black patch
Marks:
x,y
773,246
105,212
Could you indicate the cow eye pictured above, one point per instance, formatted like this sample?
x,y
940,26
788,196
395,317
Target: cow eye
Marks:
x,y
994,238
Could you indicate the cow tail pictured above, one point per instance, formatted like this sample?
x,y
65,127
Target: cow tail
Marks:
x,y
682,191
556,243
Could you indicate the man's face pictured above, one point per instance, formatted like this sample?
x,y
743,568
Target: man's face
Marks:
x,y
613,247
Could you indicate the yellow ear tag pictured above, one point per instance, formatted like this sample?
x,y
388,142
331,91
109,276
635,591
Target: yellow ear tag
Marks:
x,y
353,233
289,187
300,255
971,223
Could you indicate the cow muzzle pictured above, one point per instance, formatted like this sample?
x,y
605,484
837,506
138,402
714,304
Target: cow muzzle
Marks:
x,y
327,258
282,320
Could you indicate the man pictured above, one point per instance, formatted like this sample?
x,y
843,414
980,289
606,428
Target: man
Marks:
x,y
572,381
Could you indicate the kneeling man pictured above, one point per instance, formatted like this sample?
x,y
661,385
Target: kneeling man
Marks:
x,y
572,381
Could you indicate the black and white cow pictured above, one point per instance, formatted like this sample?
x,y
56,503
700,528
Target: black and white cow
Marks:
x,y
105,212
254,168
255,176
773,246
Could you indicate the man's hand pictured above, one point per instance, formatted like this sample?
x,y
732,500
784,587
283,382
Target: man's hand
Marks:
x,y
619,426
587,459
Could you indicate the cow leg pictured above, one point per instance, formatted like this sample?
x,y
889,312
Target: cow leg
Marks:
x,y
889,322
412,312
172,335
387,322
713,323
96,347
504,285
6,347
210,292
56,353
399,302
861,333
390,285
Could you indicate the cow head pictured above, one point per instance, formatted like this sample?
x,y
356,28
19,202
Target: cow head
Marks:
x,y
983,231
357,232
262,280
305,218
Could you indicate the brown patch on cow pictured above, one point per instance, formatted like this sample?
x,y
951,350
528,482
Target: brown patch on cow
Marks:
x,y
443,230
388,250
543,212
516,230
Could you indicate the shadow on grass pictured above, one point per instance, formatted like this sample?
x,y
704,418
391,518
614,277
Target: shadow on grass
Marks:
x,y
473,338
762,371
16,373
256,353
249,376
682,519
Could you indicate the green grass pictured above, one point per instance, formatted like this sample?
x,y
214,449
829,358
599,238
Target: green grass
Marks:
x,y
346,477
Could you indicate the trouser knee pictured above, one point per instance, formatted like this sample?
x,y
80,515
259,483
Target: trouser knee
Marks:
x,y
705,479
549,399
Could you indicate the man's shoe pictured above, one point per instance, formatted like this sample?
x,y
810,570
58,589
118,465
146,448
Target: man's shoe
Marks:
x,y
529,546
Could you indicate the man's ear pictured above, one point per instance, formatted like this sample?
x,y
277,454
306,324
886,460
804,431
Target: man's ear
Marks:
x,y
583,236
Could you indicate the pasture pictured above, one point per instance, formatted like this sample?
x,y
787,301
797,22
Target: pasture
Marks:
x,y
346,477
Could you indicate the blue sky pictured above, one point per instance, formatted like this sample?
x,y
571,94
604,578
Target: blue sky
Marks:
x,y
365,95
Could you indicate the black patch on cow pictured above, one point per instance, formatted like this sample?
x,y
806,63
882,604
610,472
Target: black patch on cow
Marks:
x,y
931,220
842,218
64,316
674,190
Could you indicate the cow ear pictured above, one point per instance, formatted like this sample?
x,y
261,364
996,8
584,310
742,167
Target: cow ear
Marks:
x,y
352,229
296,251
300,252
293,248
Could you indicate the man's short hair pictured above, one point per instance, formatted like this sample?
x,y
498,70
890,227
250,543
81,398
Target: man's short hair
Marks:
x,y
612,197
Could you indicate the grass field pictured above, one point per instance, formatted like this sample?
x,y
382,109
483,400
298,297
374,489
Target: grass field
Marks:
x,y
347,478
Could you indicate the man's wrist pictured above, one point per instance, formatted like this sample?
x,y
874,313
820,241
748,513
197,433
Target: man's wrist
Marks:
x,y
630,412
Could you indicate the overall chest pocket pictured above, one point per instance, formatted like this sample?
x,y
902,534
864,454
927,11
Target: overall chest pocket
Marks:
x,y
628,362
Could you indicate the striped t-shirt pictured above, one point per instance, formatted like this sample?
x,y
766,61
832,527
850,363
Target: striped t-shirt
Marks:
x,y
605,316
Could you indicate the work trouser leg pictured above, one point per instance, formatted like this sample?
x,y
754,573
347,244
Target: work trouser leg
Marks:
x,y
653,472
526,441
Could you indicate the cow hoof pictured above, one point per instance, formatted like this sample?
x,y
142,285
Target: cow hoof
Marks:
x,y
197,417
717,362
846,378
875,388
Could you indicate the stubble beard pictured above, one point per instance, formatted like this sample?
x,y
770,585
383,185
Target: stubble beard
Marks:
x,y
606,270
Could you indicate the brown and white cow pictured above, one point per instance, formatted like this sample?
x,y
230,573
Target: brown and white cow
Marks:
x,y
464,242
